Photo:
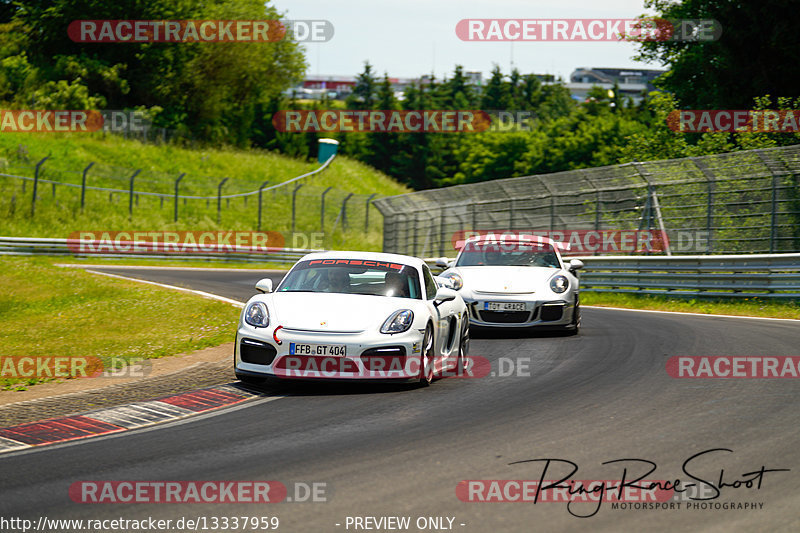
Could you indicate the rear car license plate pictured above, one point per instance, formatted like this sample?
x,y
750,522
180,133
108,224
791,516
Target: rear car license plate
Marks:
x,y
504,306
331,350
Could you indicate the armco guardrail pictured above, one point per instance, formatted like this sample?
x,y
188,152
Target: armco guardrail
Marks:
x,y
66,247
723,276
726,276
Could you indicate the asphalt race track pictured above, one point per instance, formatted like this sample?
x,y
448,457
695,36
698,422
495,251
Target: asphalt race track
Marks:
x,y
402,451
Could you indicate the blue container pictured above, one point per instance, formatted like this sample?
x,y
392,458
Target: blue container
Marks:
x,y
327,148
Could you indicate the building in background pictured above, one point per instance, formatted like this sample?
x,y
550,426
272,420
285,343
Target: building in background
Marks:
x,y
632,83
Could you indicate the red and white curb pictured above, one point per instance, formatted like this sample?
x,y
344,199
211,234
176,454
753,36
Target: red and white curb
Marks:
x,y
122,418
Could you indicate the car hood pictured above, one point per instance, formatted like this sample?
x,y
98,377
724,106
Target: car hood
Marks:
x,y
505,279
334,313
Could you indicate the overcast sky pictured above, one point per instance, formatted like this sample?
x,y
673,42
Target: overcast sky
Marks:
x,y
408,38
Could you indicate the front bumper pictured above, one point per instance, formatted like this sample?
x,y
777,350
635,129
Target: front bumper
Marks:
x,y
368,356
544,313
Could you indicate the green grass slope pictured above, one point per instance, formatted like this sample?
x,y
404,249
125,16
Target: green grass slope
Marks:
x,y
58,208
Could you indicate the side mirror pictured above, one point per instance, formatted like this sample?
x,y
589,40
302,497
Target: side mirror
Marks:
x,y
575,264
441,262
264,285
443,294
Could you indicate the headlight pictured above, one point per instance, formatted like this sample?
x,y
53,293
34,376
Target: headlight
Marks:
x,y
256,315
398,322
559,284
456,281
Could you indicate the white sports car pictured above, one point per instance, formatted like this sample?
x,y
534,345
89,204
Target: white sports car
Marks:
x,y
353,316
516,281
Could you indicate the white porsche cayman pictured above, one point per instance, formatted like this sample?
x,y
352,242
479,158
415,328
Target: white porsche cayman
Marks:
x,y
516,281
353,315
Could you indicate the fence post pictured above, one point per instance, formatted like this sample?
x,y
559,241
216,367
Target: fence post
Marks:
x,y
130,197
294,198
175,211
441,232
219,198
36,184
474,218
597,212
699,163
322,210
260,190
83,185
774,217
416,235
366,212
344,211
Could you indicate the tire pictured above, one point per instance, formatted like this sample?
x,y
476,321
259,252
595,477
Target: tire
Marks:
x,y
463,348
426,358
575,325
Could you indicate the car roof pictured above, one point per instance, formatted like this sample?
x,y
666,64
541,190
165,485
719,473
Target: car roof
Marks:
x,y
369,256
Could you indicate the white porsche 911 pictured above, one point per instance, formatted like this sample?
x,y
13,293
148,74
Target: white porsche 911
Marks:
x,y
353,316
516,281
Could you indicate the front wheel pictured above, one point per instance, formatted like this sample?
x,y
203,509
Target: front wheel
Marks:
x,y
426,358
463,348
575,325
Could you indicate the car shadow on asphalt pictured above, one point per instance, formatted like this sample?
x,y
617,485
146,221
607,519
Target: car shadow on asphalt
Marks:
x,y
323,388
517,333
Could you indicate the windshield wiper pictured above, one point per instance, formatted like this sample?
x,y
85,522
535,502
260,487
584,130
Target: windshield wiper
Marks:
x,y
296,290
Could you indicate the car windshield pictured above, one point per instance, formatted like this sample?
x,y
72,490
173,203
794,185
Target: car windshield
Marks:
x,y
353,276
508,254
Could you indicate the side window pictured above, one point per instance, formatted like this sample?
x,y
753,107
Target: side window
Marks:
x,y
430,284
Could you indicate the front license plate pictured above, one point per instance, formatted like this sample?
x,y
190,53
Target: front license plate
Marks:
x,y
504,306
332,350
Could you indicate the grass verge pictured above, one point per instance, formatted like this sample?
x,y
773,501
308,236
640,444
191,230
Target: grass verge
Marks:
x,y
743,307
345,223
47,311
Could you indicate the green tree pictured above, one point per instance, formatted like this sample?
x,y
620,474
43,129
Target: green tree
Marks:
x,y
212,91
495,94
757,53
365,90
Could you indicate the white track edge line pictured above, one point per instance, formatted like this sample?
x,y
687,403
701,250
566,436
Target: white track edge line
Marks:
x,y
689,314
154,267
235,303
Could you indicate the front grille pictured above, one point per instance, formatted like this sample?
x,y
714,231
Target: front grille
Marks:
x,y
396,351
385,358
505,317
257,352
551,313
